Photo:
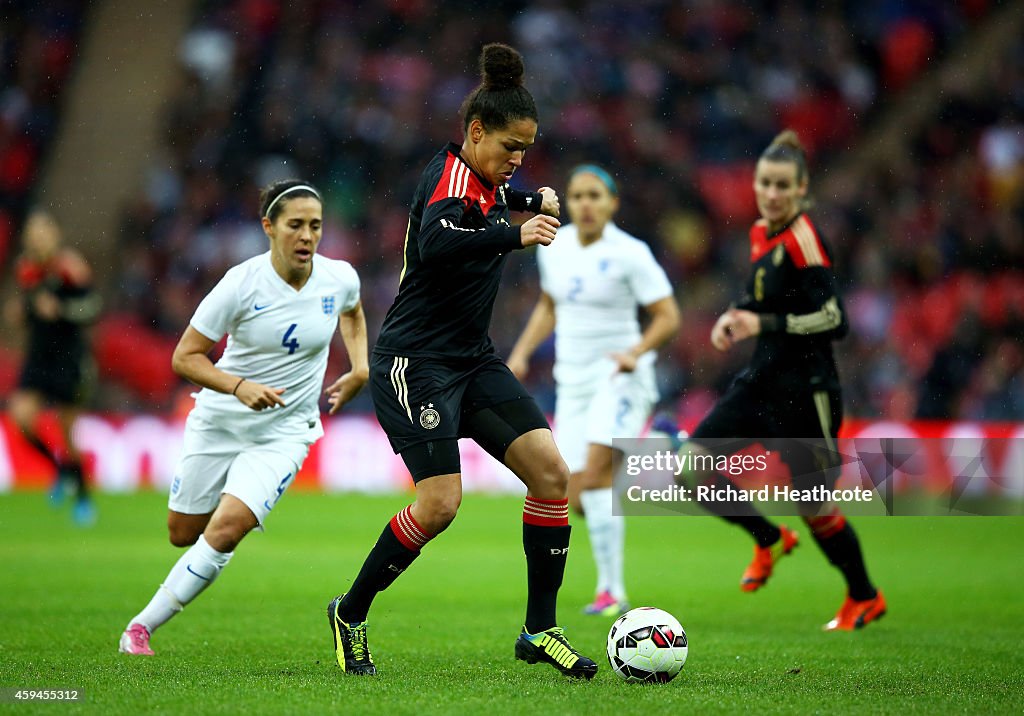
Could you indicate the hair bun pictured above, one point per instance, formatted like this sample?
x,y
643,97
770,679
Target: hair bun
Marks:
x,y
788,138
501,67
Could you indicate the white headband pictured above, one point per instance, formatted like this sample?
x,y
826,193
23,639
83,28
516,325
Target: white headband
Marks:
x,y
291,189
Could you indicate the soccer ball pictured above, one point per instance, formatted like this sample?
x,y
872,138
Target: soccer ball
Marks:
x,y
647,644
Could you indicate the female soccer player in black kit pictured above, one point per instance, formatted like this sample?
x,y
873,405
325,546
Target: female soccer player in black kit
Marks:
x,y
790,391
435,377
58,303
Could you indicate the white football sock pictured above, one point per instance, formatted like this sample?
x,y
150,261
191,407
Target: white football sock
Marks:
x,y
607,536
193,573
616,550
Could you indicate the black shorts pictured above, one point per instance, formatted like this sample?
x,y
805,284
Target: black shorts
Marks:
x,y
59,380
429,403
802,424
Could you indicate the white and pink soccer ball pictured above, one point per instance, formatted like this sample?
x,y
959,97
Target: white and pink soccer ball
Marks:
x,y
647,645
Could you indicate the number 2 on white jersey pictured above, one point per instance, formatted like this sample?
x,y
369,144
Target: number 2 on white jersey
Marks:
x,y
575,287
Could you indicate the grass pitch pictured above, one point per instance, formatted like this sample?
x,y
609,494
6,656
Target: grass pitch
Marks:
x,y
442,636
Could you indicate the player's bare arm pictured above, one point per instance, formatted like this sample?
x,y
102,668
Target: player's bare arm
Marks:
x,y
538,328
192,362
352,326
664,323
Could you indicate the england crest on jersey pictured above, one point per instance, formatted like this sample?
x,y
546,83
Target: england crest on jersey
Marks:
x,y
328,304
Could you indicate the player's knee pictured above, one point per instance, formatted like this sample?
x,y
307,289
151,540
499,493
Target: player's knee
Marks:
x,y
439,512
225,535
551,480
182,536
227,529
22,415
826,521
184,530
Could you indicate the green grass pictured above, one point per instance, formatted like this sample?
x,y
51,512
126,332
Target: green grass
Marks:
x,y
258,642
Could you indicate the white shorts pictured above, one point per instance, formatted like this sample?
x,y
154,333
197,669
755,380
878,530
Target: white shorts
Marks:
x,y
616,407
215,461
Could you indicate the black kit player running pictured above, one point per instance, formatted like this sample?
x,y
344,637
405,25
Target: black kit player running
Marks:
x,y
59,302
789,397
57,356
434,367
435,376
792,289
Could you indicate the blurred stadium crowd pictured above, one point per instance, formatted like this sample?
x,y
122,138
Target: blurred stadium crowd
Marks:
x,y
676,99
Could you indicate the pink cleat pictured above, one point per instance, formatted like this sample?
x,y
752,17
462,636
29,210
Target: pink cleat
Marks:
x,y
135,640
606,605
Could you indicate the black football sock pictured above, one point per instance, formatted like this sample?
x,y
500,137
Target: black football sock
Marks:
x,y
36,442
764,532
398,545
842,548
546,550
74,471
741,513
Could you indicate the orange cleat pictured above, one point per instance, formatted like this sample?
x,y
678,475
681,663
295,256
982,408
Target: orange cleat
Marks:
x,y
765,558
855,615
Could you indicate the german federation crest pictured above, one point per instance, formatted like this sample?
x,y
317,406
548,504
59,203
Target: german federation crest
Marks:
x,y
328,304
429,418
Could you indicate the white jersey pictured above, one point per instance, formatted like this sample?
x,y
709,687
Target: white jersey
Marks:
x,y
597,290
277,336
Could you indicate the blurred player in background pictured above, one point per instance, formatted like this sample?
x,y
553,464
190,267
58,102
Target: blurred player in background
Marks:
x,y
258,412
593,280
435,376
58,302
790,392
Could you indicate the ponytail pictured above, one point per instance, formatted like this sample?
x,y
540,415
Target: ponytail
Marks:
x,y
786,147
500,98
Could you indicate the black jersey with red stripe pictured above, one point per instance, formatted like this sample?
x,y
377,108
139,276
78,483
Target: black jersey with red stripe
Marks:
x,y
67,278
793,288
455,246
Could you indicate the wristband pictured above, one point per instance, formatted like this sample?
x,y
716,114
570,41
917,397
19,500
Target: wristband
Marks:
x,y
239,383
772,323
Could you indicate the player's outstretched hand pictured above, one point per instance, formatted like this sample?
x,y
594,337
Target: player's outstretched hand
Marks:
x,y
539,230
258,396
733,326
343,390
46,306
721,334
743,324
550,204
